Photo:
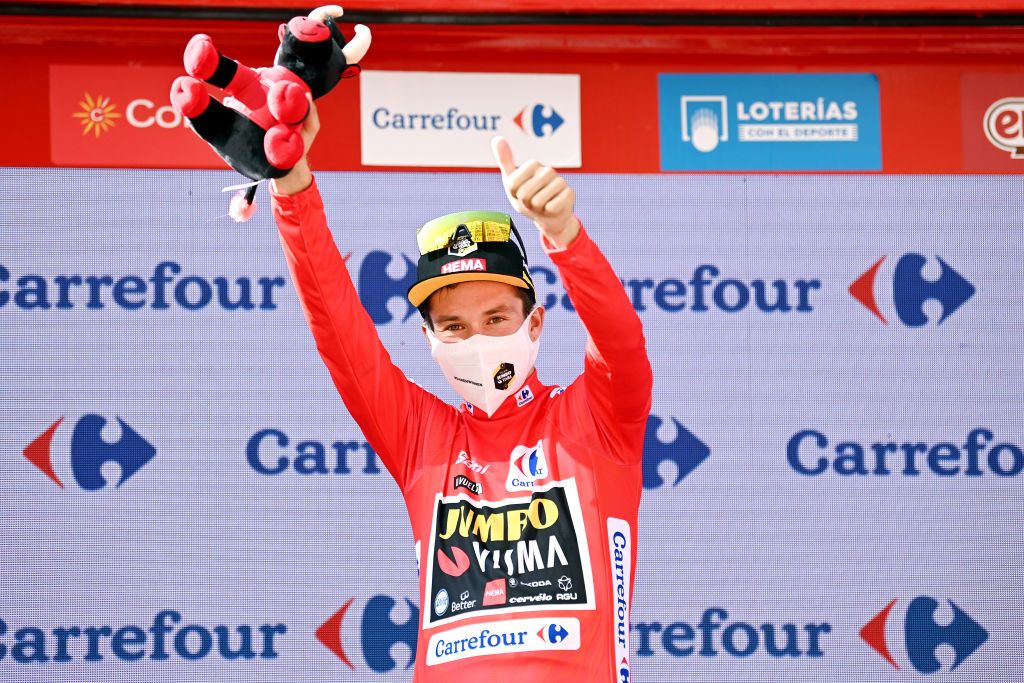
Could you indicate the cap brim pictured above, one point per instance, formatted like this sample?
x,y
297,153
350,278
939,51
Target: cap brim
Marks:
x,y
422,290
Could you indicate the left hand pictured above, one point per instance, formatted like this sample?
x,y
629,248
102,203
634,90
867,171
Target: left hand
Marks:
x,y
540,193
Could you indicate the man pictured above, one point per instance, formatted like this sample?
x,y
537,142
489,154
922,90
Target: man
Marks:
x,y
523,502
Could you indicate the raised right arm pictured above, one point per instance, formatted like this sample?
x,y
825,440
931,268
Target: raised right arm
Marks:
x,y
390,408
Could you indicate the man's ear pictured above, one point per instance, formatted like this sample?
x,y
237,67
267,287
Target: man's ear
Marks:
x,y
536,323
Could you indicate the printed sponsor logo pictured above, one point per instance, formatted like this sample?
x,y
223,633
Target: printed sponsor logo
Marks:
x,y
379,633
503,376
97,116
769,122
103,115
992,115
165,638
441,602
524,396
467,462
92,450
685,453
495,592
715,634
910,290
621,559
464,482
273,452
464,265
159,290
411,118
523,545
923,634
810,452
1004,125
705,290
492,638
527,466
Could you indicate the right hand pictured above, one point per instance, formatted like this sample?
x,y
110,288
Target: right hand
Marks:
x,y
300,177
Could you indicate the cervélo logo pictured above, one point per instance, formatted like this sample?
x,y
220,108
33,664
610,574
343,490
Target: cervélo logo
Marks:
x,y
911,290
923,631
90,453
429,118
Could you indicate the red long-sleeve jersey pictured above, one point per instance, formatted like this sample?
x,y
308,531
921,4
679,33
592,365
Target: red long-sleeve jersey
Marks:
x,y
524,522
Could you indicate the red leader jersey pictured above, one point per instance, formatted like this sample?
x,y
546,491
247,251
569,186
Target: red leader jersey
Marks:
x,y
525,523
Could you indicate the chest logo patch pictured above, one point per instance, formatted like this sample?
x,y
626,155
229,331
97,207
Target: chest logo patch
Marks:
x,y
527,466
512,555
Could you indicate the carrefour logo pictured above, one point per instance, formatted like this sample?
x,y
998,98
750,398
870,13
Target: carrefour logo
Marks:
x,y
707,288
911,289
812,453
683,453
163,638
379,633
90,453
164,287
539,120
923,632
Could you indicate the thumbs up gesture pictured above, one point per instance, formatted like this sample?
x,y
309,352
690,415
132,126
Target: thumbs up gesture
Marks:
x,y
540,193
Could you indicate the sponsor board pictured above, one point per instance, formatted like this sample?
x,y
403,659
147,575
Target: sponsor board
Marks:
x,y
992,121
120,116
769,122
532,543
421,118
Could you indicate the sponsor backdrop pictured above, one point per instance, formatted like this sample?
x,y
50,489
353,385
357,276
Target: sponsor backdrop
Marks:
x,y
832,467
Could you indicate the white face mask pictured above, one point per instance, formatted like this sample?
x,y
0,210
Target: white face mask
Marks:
x,y
486,370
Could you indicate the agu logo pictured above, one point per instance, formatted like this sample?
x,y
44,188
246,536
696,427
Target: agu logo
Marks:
x,y
97,115
685,452
379,633
538,120
922,634
90,453
910,290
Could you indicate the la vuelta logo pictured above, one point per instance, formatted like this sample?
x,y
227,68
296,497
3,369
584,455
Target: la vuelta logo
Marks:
x,y
379,632
90,453
923,634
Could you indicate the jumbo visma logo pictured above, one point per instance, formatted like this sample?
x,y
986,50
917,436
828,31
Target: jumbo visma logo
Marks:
x,y
90,454
923,632
910,290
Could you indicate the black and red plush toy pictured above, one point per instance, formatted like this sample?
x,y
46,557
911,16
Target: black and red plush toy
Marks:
x,y
256,127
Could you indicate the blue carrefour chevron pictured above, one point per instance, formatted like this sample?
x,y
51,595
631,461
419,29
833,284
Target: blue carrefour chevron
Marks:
x,y
686,451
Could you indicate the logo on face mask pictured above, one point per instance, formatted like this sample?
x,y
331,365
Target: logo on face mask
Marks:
x,y
503,376
462,242
527,466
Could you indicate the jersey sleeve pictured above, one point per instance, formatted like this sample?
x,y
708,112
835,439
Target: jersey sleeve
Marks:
x,y
617,378
389,408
